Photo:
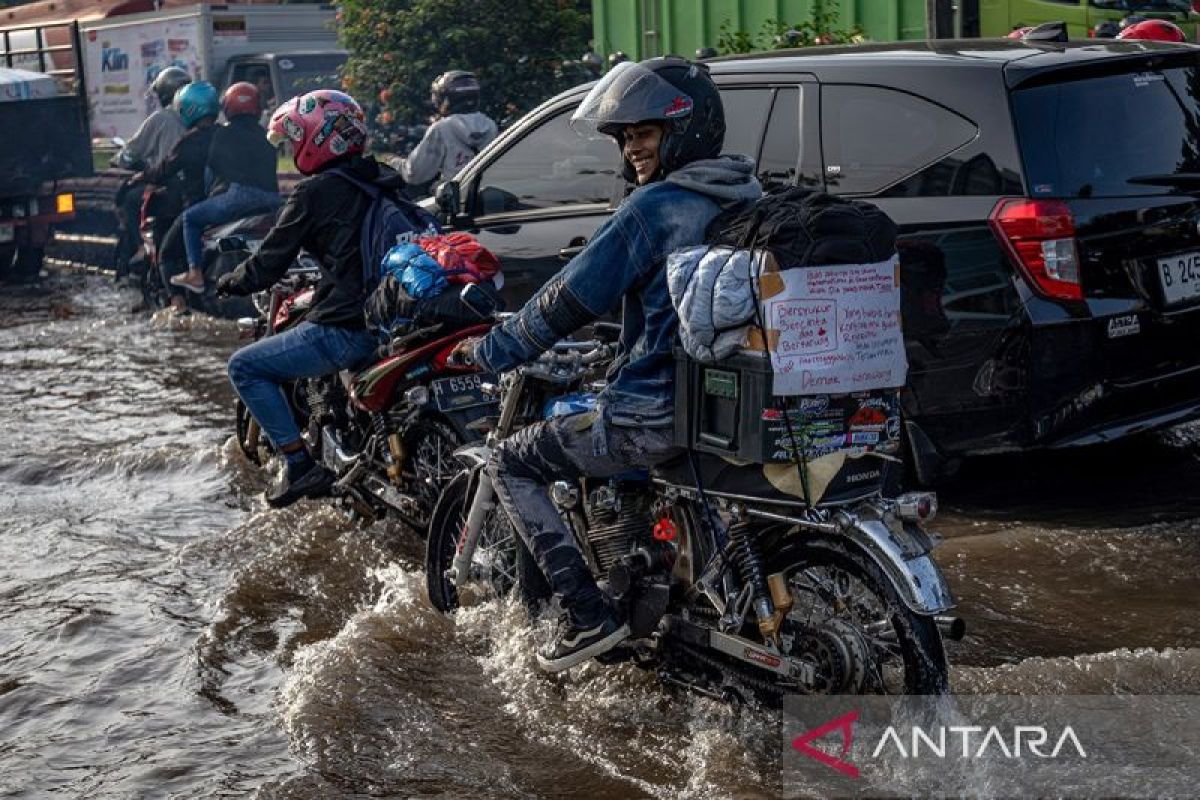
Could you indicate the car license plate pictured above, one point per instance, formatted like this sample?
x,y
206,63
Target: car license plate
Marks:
x,y
7,233
462,391
1180,277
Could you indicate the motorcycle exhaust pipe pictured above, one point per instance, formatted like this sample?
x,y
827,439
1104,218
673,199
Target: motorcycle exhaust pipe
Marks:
x,y
952,628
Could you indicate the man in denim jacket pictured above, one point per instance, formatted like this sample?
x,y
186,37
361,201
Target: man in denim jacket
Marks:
x,y
667,117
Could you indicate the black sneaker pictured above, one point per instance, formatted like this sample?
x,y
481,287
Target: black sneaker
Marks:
x,y
574,644
316,481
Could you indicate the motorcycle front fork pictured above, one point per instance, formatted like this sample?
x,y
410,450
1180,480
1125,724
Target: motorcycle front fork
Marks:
x,y
483,502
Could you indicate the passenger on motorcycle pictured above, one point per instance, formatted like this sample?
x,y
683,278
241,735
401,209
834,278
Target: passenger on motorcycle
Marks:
x,y
151,144
461,132
242,169
667,118
181,174
323,215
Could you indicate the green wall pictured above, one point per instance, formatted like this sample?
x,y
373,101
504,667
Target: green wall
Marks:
x,y
681,26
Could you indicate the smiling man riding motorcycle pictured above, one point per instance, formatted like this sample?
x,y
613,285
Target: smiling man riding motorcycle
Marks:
x,y
667,118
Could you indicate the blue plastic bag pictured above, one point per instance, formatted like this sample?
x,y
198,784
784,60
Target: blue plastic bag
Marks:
x,y
416,270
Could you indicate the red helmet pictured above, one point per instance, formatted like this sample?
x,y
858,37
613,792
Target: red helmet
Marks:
x,y
1154,29
1017,33
241,98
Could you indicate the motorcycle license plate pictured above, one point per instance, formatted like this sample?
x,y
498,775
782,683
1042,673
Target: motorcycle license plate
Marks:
x,y
7,233
1180,277
462,391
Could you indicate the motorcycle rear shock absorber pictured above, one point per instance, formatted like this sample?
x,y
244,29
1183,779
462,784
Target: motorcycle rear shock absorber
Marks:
x,y
750,566
393,456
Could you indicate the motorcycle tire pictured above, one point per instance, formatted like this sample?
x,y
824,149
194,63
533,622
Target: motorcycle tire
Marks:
x,y
429,447
510,566
255,454
922,653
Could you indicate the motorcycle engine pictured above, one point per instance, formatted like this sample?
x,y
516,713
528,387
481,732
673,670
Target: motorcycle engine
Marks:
x,y
618,522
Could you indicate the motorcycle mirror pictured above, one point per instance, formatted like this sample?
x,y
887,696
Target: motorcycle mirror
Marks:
x,y
478,301
449,201
231,244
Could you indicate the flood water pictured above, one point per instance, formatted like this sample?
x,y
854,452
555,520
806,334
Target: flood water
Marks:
x,y
163,635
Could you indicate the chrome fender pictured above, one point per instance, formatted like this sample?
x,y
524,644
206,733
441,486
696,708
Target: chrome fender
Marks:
x,y
474,455
903,556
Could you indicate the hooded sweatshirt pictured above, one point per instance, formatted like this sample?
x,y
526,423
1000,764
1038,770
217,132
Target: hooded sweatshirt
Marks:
x,y
622,267
447,147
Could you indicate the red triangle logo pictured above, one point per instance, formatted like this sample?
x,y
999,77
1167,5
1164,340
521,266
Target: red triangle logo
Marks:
x,y
845,724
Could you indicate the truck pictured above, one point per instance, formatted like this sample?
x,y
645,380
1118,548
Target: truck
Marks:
x,y
43,113
646,28
293,46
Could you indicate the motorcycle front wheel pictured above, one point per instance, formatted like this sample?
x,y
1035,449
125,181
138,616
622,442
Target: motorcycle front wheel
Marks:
x,y
253,443
501,562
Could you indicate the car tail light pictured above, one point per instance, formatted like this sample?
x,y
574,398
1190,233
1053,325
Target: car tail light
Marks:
x,y
1040,235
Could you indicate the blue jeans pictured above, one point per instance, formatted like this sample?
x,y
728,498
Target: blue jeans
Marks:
x,y
234,203
258,370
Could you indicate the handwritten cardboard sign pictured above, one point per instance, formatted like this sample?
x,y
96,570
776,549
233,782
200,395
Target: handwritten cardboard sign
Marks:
x,y
834,329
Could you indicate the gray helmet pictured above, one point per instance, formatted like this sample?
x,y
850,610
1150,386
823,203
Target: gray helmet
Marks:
x,y
458,87
167,83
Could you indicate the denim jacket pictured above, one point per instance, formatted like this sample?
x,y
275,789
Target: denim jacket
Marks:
x,y
623,266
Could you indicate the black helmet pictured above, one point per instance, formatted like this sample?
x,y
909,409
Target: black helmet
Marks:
x,y
592,61
1106,30
705,52
671,90
1132,19
457,87
618,57
167,83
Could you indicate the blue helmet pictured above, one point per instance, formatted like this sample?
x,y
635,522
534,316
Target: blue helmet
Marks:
x,y
196,101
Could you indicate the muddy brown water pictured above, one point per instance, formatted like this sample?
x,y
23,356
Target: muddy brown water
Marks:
x,y
163,635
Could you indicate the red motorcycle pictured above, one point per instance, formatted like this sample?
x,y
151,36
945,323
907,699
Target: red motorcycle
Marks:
x,y
389,432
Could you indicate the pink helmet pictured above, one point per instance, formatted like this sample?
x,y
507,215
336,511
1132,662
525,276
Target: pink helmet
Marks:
x,y
322,126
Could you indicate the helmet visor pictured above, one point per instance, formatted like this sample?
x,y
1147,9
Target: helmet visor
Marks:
x,y
628,94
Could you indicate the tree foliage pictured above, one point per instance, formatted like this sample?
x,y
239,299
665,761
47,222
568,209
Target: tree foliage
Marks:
x,y
516,49
820,28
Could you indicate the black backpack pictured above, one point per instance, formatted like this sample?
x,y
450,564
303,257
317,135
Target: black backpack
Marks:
x,y
391,220
802,227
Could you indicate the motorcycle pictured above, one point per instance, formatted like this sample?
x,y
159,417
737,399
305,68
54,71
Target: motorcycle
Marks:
x,y
388,431
728,594
145,265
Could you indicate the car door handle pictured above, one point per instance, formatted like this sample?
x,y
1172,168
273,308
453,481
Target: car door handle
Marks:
x,y
573,249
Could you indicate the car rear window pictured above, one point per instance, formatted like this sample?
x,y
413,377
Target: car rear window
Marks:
x,y
1088,138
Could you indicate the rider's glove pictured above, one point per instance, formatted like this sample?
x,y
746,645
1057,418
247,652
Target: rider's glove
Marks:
x,y
228,286
463,355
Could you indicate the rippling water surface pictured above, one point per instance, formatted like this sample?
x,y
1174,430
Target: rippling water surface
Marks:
x,y
163,635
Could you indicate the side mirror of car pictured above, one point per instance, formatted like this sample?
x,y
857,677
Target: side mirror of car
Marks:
x,y
479,302
449,201
231,244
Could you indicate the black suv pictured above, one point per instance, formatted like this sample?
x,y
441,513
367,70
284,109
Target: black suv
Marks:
x,y
1048,201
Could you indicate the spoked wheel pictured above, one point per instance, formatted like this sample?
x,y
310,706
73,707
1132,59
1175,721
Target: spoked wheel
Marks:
x,y
847,618
429,451
253,443
500,562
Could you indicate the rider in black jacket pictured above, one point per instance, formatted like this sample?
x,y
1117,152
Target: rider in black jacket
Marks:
x,y
324,216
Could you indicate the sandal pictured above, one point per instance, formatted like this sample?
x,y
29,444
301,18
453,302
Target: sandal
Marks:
x,y
181,280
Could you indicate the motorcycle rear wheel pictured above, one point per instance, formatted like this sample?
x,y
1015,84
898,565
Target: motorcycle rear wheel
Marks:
x,y
905,650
